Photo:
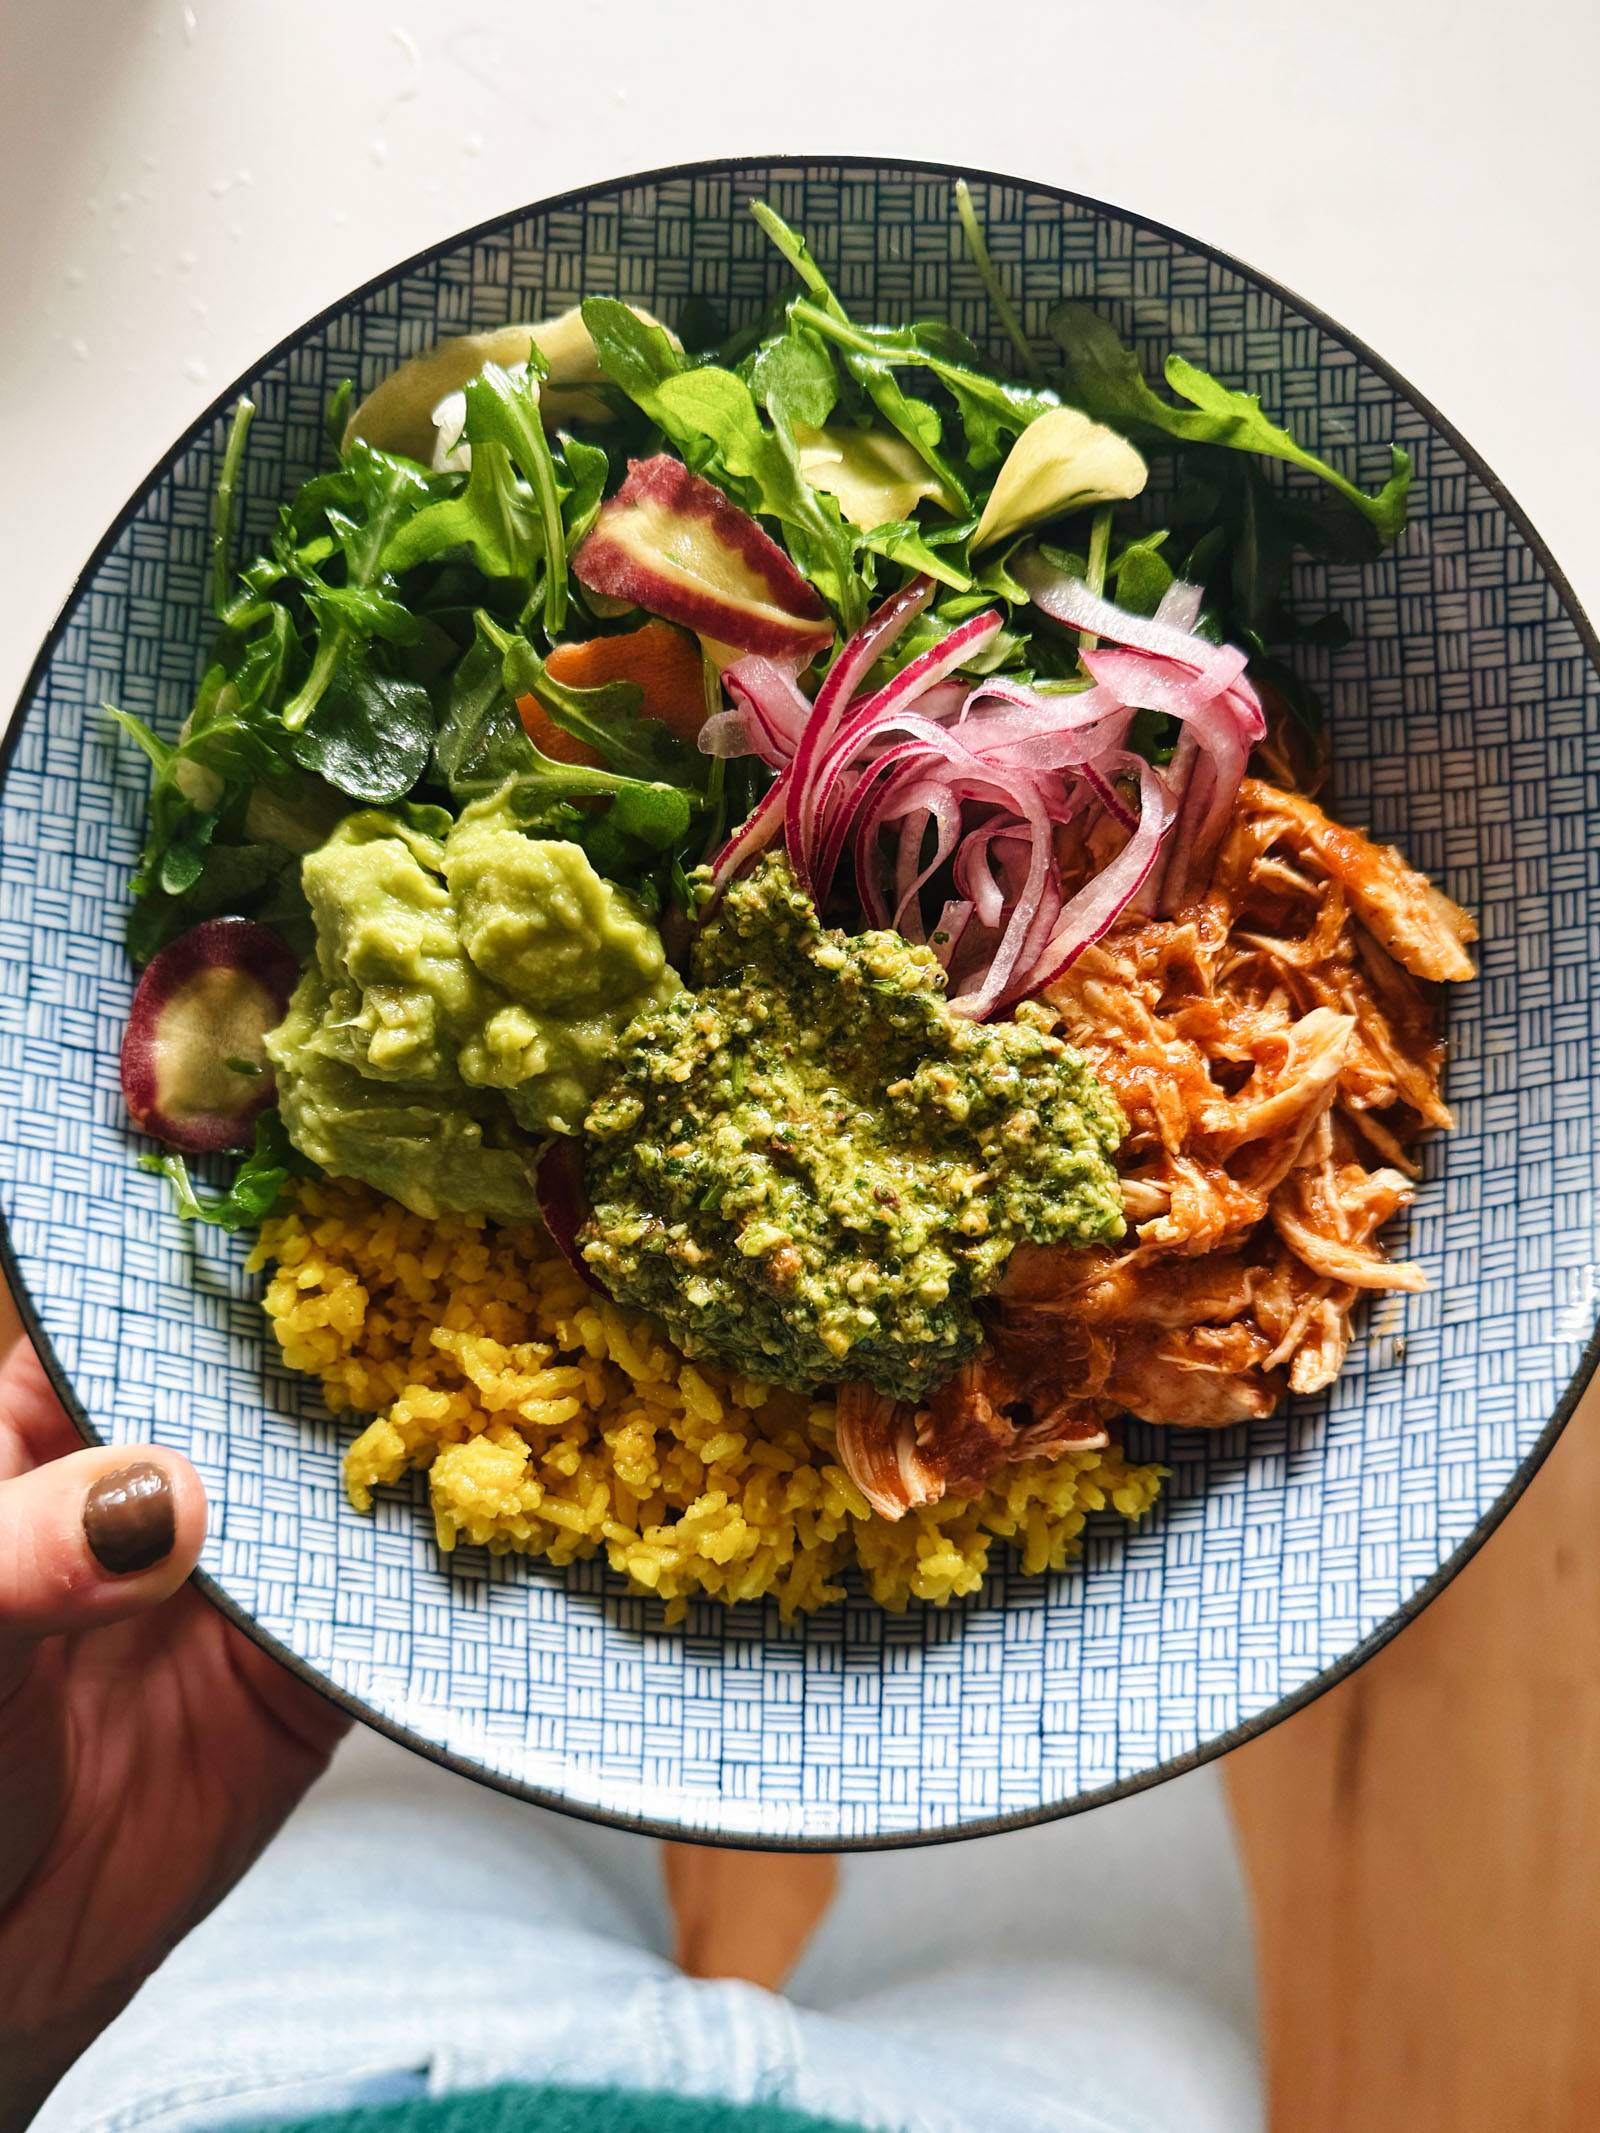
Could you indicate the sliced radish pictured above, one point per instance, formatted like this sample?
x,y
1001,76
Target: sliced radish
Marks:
x,y
194,1066
670,542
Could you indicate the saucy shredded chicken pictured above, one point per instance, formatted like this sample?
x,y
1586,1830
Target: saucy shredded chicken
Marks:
x,y
1275,1049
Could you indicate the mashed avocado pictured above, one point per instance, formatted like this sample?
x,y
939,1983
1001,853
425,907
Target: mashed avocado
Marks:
x,y
810,1167
469,984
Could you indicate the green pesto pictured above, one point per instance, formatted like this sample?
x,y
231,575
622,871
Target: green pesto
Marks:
x,y
470,983
811,1168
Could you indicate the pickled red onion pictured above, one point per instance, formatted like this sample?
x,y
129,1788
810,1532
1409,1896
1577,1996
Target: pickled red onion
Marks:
x,y
974,775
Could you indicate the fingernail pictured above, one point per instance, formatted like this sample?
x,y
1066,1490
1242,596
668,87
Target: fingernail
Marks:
x,y
128,1518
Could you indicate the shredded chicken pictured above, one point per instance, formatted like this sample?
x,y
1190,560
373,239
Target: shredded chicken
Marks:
x,y
1277,1058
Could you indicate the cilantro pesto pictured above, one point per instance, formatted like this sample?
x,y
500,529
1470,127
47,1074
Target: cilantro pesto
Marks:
x,y
810,1167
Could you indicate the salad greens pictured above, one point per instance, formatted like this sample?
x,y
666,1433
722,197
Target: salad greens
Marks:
x,y
1104,379
387,640
257,1183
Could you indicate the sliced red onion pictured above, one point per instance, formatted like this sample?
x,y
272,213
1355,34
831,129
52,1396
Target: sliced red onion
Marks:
x,y
931,772
856,659
1180,605
950,930
1151,682
1073,726
975,880
726,734
880,795
890,705
927,749
856,806
923,672
754,834
945,700
987,996
1108,796
774,710
1023,746
924,803
1097,906
563,1202
1150,894
1067,599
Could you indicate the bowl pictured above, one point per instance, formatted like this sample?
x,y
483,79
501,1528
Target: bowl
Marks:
x,y
1280,1556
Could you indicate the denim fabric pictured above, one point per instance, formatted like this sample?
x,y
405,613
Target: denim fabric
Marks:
x,y
419,1937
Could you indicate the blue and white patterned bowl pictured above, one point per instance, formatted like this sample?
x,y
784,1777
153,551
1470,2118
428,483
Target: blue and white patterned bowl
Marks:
x,y
1466,727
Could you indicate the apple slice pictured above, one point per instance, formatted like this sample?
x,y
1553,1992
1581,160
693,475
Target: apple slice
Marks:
x,y
670,542
194,1067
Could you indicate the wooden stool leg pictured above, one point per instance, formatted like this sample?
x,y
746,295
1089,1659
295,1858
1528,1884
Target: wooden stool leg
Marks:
x,y
745,1914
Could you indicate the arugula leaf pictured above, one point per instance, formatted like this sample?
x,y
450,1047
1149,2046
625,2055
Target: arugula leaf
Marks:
x,y
655,816
261,669
764,464
504,410
183,861
256,880
361,611
711,415
225,828
337,413
1104,378
702,324
480,742
498,518
631,352
794,379
370,736
902,541
491,518
991,408
189,794
1004,649
257,1185
388,490
585,467
915,420
222,508
606,717
484,755
978,246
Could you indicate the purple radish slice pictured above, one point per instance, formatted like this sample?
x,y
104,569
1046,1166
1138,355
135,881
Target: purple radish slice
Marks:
x,y
564,1202
194,1066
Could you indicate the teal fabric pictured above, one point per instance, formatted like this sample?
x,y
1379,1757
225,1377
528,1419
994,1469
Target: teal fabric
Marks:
x,y
546,2110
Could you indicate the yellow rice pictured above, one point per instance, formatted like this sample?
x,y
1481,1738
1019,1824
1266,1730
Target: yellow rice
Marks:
x,y
551,1421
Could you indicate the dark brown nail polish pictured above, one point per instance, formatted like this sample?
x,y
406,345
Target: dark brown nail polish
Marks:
x,y
128,1518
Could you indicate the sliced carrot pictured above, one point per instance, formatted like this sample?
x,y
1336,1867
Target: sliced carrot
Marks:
x,y
664,662
553,740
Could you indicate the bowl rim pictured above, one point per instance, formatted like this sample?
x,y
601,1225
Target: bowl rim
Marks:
x,y
1157,1773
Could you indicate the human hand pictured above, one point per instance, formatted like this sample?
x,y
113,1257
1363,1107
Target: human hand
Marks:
x,y
148,1750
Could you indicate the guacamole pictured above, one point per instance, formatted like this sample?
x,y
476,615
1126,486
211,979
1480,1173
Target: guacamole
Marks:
x,y
811,1168
469,984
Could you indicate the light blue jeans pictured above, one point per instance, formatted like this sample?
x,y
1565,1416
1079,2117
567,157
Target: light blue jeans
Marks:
x,y
412,1934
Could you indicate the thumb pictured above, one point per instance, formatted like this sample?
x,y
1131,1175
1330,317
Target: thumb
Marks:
x,y
94,1537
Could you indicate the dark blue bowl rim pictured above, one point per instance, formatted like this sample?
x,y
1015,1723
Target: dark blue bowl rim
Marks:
x,y
994,1825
